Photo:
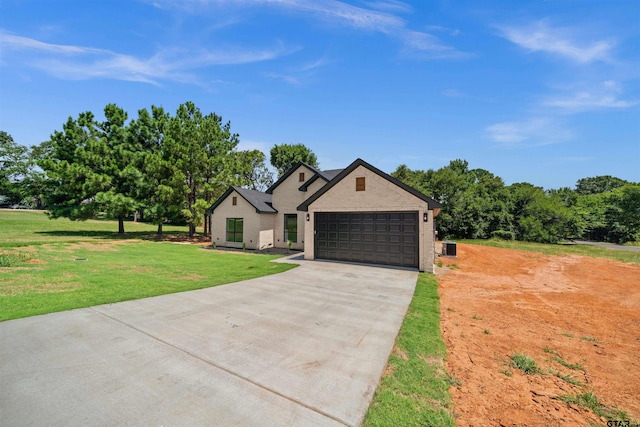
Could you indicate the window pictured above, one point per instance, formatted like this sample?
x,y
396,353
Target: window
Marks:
x,y
360,183
301,177
291,228
234,229
234,200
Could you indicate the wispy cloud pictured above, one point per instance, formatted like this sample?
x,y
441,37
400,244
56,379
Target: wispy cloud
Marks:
x,y
16,43
603,96
175,64
563,42
296,76
378,17
530,132
390,6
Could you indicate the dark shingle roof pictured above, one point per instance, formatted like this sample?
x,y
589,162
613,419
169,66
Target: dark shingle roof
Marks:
x,y
330,174
259,200
359,162
326,175
289,172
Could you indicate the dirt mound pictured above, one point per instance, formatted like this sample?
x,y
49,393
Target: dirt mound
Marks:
x,y
577,317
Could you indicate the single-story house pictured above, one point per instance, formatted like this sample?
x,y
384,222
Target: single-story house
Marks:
x,y
358,214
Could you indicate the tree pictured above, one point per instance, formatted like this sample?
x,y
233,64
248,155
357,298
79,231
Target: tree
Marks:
x,y
622,215
252,171
91,168
284,156
474,202
200,147
160,201
539,217
598,184
121,198
14,166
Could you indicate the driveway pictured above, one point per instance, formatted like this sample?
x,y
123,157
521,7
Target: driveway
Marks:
x,y
301,348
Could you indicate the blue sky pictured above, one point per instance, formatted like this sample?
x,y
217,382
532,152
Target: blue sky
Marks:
x,y
545,92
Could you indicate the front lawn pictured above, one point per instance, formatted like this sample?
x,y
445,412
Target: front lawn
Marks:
x,y
55,265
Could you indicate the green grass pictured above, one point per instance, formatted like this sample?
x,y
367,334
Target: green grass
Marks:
x,y
584,250
591,401
590,339
569,379
73,267
524,363
13,259
557,357
25,228
414,389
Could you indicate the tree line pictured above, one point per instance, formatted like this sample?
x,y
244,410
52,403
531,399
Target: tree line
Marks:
x,y
167,168
160,167
476,204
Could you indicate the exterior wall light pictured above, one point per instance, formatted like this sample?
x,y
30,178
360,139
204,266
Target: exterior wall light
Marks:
x,y
307,216
425,217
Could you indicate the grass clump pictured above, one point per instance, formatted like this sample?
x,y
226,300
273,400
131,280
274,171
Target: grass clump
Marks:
x,y
591,401
557,357
569,379
526,364
13,259
590,339
414,391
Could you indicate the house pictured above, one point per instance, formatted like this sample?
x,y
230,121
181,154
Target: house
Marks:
x,y
358,214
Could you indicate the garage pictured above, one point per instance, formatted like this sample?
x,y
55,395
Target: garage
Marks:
x,y
389,238
365,215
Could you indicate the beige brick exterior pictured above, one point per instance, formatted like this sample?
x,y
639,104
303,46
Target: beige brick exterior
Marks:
x,y
286,198
380,195
257,228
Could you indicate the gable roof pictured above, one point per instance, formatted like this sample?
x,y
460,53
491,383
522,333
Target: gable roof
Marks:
x,y
259,200
327,175
432,204
288,174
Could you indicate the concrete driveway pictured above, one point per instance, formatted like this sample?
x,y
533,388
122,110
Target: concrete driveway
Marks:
x,y
301,348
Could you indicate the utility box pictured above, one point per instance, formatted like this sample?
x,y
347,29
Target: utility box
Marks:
x,y
449,249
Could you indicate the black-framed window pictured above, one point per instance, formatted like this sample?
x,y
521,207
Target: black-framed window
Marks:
x,y
234,229
291,228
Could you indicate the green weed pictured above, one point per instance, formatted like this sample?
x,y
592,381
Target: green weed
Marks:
x,y
591,401
526,364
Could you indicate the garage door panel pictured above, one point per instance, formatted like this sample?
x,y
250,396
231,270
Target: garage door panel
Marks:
x,y
376,237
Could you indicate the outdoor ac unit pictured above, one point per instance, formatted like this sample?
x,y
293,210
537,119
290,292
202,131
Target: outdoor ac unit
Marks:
x,y
449,249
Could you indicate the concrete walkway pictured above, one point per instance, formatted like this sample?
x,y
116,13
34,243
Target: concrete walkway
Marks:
x,y
301,348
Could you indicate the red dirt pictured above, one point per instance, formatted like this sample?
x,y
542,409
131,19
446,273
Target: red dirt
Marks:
x,y
500,302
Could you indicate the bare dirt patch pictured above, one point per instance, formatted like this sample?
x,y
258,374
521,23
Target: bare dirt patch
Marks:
x,y
584,311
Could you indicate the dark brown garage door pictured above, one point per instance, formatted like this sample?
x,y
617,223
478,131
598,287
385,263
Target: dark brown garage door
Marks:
x,y
374,237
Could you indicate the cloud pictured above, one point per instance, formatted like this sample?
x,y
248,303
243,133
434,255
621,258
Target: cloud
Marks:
x,y
296,76
595,97
13,42
81,63
530,132
390,5
378,18
540,37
